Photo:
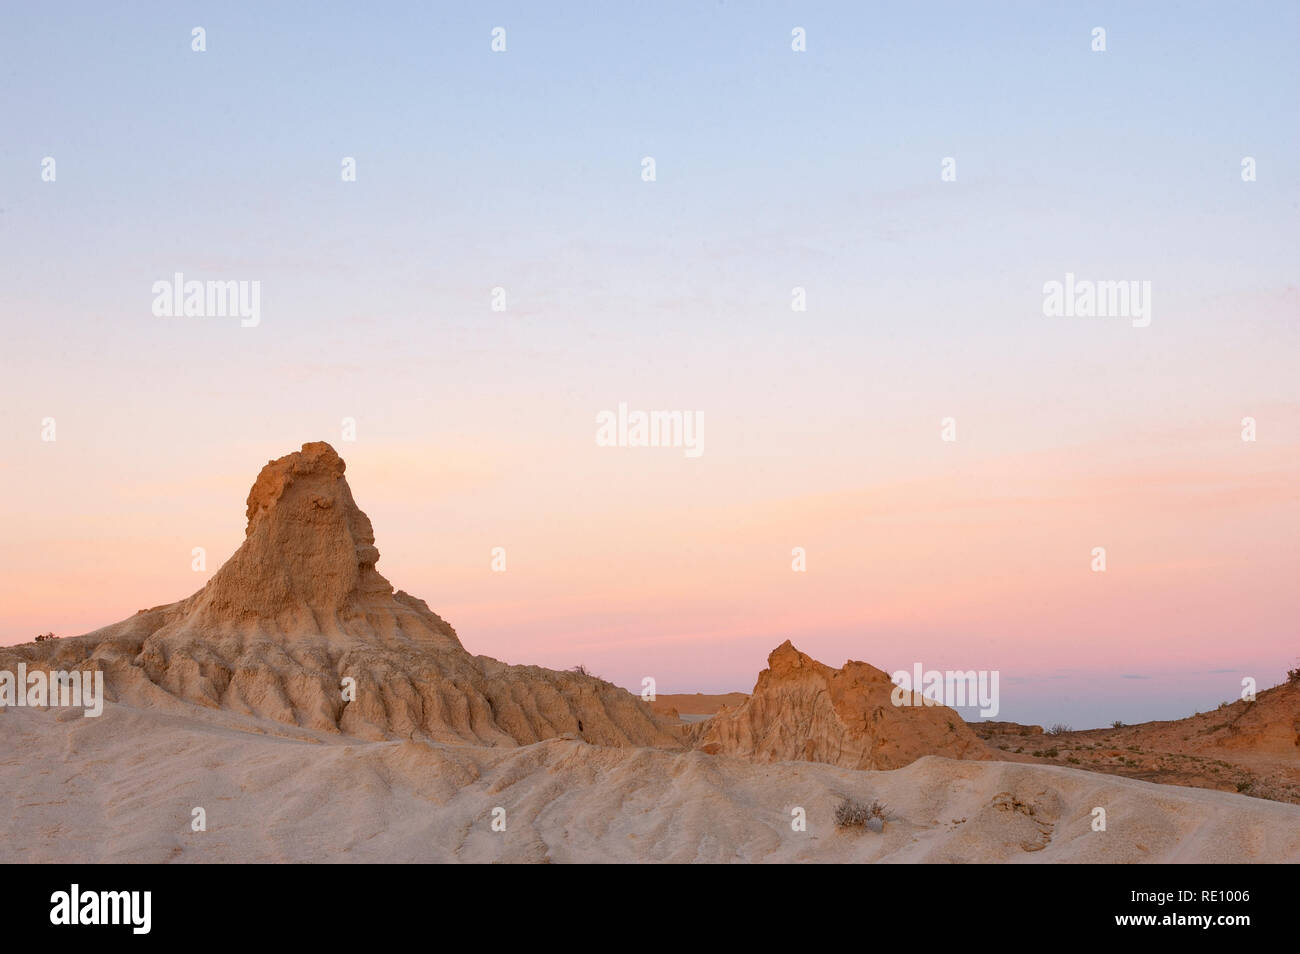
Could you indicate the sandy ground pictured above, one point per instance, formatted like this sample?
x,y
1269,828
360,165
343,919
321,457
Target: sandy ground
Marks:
x,y
122,788
1152,756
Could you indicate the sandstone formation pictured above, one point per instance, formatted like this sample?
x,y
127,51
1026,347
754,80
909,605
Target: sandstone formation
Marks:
x,y
803,709
300,607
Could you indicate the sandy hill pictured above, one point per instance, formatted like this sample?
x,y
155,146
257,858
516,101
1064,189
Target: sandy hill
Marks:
x,y
1248,747
803,709
1270,725
300,606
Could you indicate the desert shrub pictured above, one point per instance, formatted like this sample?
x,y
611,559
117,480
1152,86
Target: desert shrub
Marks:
x,y
1059,728
582,670
851,813
1052,753
1293,675
1072,760
43,637
1117,724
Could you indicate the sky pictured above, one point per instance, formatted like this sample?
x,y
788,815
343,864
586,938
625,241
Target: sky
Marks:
x,y
820,169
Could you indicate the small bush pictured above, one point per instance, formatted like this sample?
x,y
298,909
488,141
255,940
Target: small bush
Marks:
x,y
43,637
1059,729
1052,753
582,670
1293,675
851,813
1117,724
